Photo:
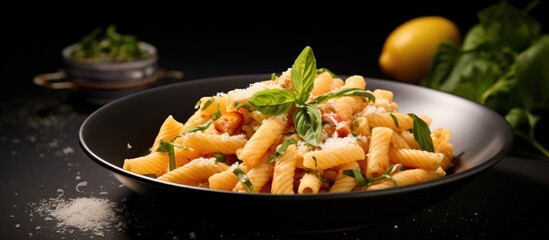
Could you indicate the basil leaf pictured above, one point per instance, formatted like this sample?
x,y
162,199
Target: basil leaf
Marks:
x,y
304,74
208,103
273,101
422,134
504,23
532,72
220,157
308,123
243,177
395,119
282,149
167,147
523,124
441,65
355,173
346,92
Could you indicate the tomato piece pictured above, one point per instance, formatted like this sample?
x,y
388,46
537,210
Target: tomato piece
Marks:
x,y
229,123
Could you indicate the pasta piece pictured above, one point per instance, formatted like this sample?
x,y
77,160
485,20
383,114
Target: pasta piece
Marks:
x,y
309,183
210,143
185,155
283,176
382,93
226,180
408,177
384,99
355,81
416,158
410,140
405,122
378,156
344,183
337,83
195,172
259,143
259,176
155,163
322,84
361,127
441,142
344,151
397,141
345,107
169,129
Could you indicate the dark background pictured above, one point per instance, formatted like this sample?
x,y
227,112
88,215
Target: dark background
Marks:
x,y
232,37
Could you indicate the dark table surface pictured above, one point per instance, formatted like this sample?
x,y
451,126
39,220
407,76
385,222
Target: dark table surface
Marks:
x,y
41,158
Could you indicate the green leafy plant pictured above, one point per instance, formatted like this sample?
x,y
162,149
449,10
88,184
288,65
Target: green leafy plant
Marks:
x,y
502,64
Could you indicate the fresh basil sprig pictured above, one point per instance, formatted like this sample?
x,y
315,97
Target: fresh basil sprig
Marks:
x,y
307,116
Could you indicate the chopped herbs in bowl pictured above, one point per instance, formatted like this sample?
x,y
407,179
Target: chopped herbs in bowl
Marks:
x,y
109,45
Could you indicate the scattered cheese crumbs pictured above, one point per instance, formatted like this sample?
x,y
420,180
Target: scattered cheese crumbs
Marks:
x,y
17,225
60,192
80,185
68,150
205,161
86,214
332,143
302,146
128,146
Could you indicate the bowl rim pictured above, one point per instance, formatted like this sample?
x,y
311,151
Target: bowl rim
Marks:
x,y
440,182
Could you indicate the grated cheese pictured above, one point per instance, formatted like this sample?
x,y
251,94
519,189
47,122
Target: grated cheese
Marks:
x,y
246,93
85,214
372,110
332,143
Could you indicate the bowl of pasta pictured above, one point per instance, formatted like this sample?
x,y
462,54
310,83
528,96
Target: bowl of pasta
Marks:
x,y
303,149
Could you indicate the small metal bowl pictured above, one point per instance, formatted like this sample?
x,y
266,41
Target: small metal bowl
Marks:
x,y
103,81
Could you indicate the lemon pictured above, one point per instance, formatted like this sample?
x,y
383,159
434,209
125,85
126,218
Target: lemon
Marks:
x,y
409,48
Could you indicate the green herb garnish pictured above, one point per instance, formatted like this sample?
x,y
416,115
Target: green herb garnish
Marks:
x,y
422,134
220,157
243,177
395,119
168,147
207,124
307,117
363,181
109,46
282,149
357,174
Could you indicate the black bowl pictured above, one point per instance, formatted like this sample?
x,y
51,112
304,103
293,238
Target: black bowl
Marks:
x,y
481,138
